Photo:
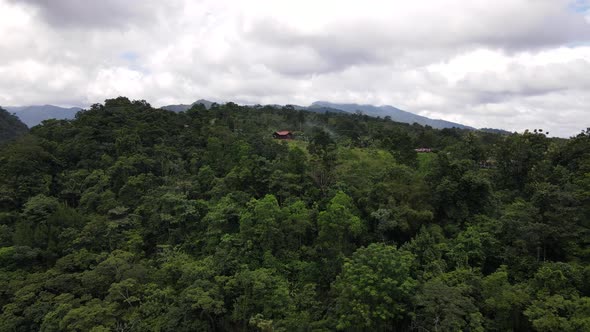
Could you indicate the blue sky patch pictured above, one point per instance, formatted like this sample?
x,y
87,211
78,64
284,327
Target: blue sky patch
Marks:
x,y
580,6
129,56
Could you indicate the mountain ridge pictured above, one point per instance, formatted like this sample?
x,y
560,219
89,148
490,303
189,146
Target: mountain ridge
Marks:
x,y
35,114
394,113
185,107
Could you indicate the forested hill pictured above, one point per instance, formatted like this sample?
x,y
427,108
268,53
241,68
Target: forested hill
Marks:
x,y
130,218
34,115
10,126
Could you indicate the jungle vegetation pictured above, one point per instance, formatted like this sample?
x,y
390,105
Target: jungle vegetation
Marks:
x,y
132,218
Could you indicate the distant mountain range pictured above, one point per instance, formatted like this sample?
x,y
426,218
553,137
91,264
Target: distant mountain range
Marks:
x,y
185,107
394,113
323,106
34,115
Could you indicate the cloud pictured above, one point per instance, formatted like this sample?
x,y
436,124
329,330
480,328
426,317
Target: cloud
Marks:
x,y
92,14
512,64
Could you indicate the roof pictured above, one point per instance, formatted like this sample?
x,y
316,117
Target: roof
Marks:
x,y
283,133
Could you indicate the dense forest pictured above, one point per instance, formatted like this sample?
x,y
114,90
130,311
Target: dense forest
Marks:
x,y
131,218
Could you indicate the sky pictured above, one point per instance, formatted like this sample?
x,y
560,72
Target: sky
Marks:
x,y
510,64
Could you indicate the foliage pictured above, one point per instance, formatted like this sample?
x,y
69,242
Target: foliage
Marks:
x,y
374,288
131,218
10,126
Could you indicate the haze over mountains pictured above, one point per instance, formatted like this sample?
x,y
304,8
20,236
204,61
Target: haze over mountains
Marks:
x,y
34,115
185,107
395,113
511,64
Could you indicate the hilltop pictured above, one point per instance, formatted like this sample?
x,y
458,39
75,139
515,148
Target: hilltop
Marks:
x,y
33,115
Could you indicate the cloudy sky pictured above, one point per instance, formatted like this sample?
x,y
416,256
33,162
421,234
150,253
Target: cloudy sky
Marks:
x,y
511,64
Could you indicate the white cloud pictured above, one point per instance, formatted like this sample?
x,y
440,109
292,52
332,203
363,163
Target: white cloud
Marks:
x,y
512,64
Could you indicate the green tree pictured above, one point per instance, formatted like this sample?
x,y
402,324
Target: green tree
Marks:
x,y
261,296
374,288
259,225
503,302
445,303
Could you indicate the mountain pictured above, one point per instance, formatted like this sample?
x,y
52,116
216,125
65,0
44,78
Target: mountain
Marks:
x,y
496,131
10,126
315,109
324,109
34,115
395,113
177,108
184,107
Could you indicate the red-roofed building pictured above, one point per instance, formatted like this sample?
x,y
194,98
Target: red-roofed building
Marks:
x,y
284,134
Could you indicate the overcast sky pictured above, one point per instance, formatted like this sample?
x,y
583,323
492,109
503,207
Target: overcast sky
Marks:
x,y
511,64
